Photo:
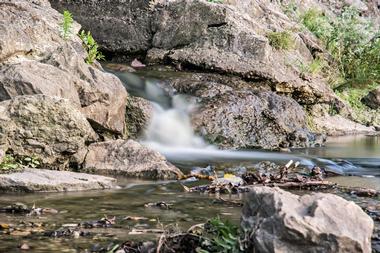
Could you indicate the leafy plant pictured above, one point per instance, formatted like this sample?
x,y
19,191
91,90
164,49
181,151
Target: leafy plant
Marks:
x,y
225,236
91,47
9,163
281,40
32,162
67,25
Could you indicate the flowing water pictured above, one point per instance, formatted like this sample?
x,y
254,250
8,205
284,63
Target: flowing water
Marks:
x,y
170,133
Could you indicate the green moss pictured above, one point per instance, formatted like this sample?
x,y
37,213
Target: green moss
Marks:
x,y
281,40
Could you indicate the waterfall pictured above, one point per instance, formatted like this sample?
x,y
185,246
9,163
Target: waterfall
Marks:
x,y
170,131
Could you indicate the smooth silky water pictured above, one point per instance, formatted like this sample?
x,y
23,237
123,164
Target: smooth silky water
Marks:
x,y
359,156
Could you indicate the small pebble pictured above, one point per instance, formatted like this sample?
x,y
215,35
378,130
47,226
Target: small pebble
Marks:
x,y
24,246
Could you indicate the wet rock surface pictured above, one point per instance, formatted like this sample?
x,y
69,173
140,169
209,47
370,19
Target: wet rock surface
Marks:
x,y
35,59
237,114
275,220
128,158
40,180
47,128
372,100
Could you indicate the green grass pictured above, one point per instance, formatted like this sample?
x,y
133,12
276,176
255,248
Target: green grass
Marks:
x,y
354,44
281,40
317,23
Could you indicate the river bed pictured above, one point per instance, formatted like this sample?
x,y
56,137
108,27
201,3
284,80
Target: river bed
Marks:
x,y
186,210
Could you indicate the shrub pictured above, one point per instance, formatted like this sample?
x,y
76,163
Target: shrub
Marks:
x,y
317,23
281,40
91,47
67,25
355,45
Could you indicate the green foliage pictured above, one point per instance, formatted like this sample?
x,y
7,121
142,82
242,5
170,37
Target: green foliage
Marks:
x,y
313,68
215,1
352,41
91,47
317,23
67,25
354,95
355,45
281,40
11,163
225,237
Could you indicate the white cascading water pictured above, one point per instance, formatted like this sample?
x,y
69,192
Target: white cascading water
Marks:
x,y
170,131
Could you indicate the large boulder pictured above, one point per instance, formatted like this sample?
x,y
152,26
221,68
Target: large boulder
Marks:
x,y
274,220
50,129
372,100
237,114
128,158
41,180
36,59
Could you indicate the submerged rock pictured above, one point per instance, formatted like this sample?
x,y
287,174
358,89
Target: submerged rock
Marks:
x,y
49,129
128,158
274,220
40,180
36,59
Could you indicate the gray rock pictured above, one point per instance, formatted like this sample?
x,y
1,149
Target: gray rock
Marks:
x,y
372,100
40,180
235,114
40,61
274,220
228,38
48,128
138,115
337,125
128,158
120,27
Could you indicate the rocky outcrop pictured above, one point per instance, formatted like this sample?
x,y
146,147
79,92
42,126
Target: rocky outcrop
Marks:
x,y
128,158
228,38
40,180
236,114
121,27
274,220
50,129
35,59
338,125
372,100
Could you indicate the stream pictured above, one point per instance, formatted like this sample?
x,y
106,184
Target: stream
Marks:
x,y
357,157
